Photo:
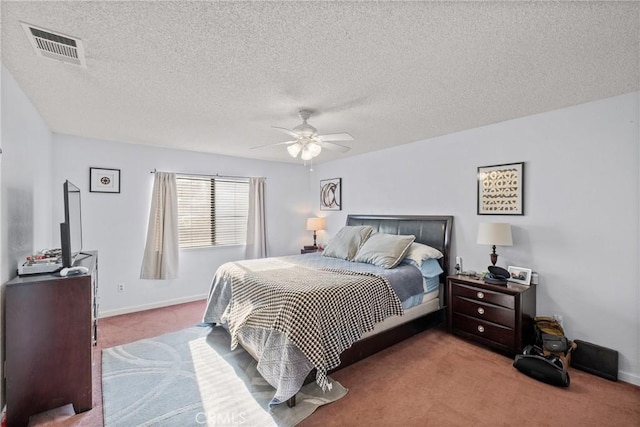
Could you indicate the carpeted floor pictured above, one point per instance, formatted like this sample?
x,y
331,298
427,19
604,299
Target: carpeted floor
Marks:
x,y
191,378
436,379
432,379
114,331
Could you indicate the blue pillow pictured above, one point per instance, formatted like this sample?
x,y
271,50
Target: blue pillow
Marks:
x,y
430,267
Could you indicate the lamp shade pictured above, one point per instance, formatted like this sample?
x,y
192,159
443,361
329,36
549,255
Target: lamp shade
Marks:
x,y
294,149
498,234
314,224
314,148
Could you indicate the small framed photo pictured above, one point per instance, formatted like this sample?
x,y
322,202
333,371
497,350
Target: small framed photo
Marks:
x,y
519,275
103,180
501,189
331,194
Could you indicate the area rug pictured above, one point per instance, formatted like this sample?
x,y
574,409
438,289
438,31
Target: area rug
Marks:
x,y
191,378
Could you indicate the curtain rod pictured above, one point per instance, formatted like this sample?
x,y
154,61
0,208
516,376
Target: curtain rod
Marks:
x,y
207,175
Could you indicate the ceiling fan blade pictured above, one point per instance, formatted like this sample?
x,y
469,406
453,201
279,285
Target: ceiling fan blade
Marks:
x,y
276,143
335,147
287,131
336,137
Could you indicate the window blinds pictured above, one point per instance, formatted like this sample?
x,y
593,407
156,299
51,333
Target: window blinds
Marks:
x,y
212,211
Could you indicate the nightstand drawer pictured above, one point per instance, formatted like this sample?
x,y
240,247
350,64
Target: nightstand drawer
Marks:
x,y
491,297
486,330
488,312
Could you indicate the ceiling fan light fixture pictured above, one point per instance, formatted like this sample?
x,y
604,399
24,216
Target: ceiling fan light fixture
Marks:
x,y
314,148
294,149
307,142
306,154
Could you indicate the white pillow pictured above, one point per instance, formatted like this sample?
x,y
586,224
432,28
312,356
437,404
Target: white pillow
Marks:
x,y
347,241
384,250
418,252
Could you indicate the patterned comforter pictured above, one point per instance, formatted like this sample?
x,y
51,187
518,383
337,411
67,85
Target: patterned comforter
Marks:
x,y
298,313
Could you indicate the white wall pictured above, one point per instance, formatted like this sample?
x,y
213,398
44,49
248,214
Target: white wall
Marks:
x,y
25,198
26,173
116,224
580,230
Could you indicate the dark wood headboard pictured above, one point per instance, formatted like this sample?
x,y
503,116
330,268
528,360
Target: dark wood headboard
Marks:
x,y
434,231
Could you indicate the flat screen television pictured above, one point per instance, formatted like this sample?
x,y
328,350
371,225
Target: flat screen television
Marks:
x,y
71,228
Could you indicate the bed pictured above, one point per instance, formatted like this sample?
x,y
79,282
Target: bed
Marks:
x,y
307,315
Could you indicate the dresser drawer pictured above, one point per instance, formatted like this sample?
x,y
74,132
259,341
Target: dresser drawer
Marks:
x,y
483,329
491,297
488,312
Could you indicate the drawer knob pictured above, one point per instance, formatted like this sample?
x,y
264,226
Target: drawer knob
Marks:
x,y
480,310
480,295
480,328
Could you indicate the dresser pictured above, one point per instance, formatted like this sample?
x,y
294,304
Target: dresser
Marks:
x,y
498,316
51,324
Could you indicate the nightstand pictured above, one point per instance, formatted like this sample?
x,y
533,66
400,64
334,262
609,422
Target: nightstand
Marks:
x,y
308,251
497,316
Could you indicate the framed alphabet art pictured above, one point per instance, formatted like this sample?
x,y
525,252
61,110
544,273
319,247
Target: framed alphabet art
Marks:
x,y
501,189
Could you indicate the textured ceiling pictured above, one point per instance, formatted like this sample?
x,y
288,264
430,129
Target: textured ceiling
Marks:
x,y
215,76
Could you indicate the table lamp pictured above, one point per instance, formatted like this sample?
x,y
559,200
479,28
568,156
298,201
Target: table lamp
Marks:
x,y
496,234
315,224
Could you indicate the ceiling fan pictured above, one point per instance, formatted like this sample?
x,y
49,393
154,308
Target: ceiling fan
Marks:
x,y
307,142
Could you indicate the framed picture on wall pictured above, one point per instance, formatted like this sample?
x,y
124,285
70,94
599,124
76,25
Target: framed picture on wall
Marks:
x,y
103,180
501,189
331,194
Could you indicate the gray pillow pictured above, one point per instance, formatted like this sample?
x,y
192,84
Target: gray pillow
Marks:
x,y
347,241
384,250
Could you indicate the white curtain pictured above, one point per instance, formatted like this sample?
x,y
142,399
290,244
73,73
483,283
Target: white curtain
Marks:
x,y
161,252
256,230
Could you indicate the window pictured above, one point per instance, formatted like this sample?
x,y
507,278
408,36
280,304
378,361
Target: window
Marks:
x,y
212,211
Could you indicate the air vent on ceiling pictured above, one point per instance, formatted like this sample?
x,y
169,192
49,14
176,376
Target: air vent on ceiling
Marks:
x,y
54,46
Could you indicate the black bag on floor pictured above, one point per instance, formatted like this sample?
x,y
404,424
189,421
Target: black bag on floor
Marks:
x,y
548,369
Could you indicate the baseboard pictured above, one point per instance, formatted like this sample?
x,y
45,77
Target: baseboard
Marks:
x,y
135,309
629,378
